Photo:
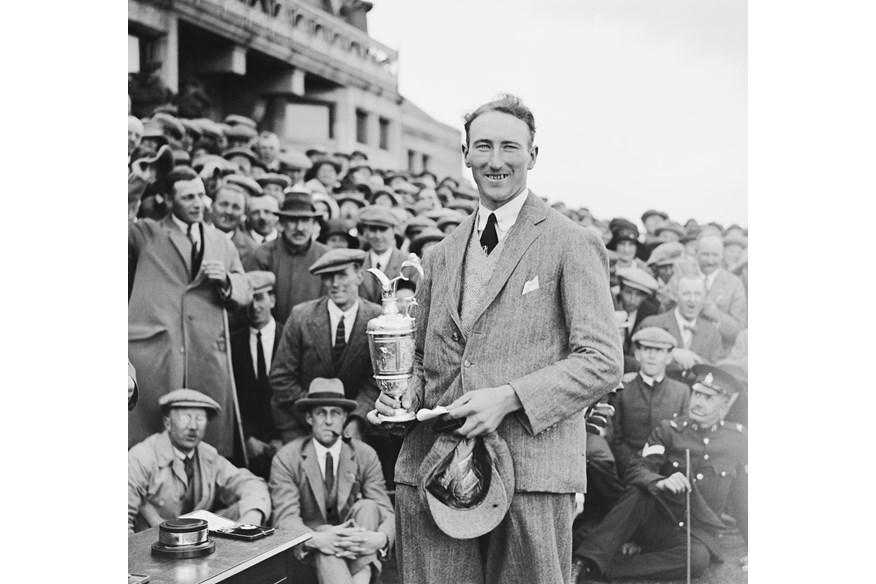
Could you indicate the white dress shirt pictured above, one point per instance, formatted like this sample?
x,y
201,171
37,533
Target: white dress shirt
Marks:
x,y
686,335
269,331
650,381
335,314
506,215
709,280
382,260
260,239
196,232
320,456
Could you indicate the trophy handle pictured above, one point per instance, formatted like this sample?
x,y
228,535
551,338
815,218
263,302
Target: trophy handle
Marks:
x,y
412,303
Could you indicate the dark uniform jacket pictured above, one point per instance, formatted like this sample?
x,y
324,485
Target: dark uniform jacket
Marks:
x,y
719,474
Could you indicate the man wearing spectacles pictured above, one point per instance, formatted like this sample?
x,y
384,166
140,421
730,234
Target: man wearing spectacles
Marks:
x,y
174,472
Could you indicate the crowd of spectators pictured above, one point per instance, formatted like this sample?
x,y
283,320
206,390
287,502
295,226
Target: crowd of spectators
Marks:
x,y
246,259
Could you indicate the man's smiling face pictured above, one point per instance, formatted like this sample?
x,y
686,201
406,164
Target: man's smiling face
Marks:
x,y
499,155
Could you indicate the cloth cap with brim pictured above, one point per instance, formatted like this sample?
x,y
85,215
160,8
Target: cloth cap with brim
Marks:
x,y
465,206
316,151
465,193
453,217
357,198
493,463
241,132
690,234
672,226
359,165
637,278
209,128
170,124
152,130
652,336
188,398
713,380
272,178
377,215
193,128
249,186
338,226
418,222
245,152
385,193
261,280
739,240
238,120
651,212
294,160
325,392
425,236
666,253
327,160
297,204
181,157
336,260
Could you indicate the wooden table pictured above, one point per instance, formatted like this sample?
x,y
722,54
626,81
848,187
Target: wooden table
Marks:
x,y
263,561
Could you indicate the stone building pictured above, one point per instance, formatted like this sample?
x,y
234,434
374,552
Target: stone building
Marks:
x,y
305,69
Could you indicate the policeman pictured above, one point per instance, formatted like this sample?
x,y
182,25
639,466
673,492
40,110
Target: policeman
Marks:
x,y
651,512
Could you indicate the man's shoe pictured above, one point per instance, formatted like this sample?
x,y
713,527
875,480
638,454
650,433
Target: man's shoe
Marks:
x,y
584,571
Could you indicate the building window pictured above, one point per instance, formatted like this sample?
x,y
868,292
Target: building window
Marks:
x,y
308,122
426,162
412,161
361,127
384,134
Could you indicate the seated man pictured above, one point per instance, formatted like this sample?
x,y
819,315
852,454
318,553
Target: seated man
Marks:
x,y
698,339
636,299
333,488
174,472
649,398
652,510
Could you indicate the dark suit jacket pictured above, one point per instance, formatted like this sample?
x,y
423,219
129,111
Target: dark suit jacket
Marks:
x,y
255,405
305,352
369,289
298,490
557,345
647,308
706,340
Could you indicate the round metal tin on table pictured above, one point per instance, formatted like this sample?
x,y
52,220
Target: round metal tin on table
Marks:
x,y
184,551
183,538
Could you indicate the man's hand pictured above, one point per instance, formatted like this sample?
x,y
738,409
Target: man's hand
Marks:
x,y
256,448
685,357
215,271
327,540
597,418
630,549
483,409
676,484
361,543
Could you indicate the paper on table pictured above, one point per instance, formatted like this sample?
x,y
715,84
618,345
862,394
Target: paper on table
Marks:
x,y
214,521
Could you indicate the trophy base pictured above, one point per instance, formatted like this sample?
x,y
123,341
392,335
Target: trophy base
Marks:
x,y
399,416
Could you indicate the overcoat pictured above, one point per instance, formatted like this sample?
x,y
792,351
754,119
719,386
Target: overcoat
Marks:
x,y
178,332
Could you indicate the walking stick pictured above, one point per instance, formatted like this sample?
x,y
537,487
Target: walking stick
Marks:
x,y
687,507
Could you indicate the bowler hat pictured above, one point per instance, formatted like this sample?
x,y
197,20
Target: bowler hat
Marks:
x,y
325,392
335,260
297,204
492,465
188,398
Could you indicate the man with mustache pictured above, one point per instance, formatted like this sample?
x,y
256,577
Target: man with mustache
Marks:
x,y
175,472
290,255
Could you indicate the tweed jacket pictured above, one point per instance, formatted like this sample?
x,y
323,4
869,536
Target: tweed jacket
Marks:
x,y
178,334
157,482
305,352
298,490
728,293
369,289
706,340
557,344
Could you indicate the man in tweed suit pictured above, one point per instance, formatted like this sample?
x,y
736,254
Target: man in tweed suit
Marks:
x,y
515,335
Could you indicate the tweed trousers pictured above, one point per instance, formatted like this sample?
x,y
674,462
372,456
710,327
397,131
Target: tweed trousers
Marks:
x,y
513,552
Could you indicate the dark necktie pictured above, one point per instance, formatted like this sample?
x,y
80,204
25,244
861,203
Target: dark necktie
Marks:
x,y
330,495
261,367
195,266
489,238
189,498
340,341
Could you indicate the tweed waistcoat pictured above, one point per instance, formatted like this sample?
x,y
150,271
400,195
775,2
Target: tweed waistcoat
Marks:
x,y
477,269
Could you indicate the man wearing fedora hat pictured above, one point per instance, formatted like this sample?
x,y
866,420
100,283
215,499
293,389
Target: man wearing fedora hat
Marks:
x,y
334,489
326,337
175,472
253,347
377,225
183,277
644,535
290,255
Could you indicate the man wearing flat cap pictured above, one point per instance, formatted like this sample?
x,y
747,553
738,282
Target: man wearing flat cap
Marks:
x,y
636,299
183,277
377,225
274,184
651,220
649,398
516,338
662,262
644,535
243,158
175,472
326,337
334,489
290,256
253,347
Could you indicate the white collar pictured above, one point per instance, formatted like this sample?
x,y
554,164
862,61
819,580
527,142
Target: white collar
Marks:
x,y
506,215
710,279
267,330
335,450
650,381
681,320
382,258
263,238
184,227
180,455
349,314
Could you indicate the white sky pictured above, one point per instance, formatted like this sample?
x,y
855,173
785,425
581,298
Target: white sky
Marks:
x,y
638,103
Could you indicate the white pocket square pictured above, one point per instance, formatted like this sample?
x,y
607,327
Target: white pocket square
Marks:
x,y
530,286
